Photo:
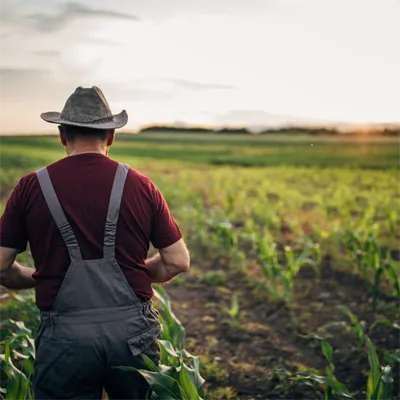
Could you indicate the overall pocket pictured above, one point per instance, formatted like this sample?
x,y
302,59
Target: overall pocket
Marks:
x,y
146,342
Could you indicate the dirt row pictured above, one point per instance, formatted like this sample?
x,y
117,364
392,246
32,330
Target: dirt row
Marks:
x,y
267,334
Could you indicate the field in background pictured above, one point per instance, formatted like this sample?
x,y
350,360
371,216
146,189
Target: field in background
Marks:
x,y
220,149
283,231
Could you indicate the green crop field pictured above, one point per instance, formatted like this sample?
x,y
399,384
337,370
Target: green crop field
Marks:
x,y
294,287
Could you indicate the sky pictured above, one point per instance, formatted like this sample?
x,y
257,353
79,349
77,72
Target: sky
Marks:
x,y
202,62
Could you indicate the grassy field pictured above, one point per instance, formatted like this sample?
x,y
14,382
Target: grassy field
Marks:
x,y
283,231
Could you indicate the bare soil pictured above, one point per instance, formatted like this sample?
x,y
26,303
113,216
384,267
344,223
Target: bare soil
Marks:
x,y
267,335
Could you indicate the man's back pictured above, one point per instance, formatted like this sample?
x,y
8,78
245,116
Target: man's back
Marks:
x,y
83,186
89,222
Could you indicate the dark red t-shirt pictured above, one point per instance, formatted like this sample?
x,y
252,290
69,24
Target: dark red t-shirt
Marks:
x,y
83,186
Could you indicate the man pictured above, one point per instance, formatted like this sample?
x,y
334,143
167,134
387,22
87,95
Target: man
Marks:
x,y
89,222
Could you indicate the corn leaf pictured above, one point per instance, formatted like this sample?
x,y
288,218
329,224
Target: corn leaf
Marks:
x,y
187,384
198,379
327,350
149,363
387,379
176,331
168,348
165,386
374,378
338,387
352,317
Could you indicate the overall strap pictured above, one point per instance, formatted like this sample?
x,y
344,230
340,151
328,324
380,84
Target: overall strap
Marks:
x,y
113,211
58,214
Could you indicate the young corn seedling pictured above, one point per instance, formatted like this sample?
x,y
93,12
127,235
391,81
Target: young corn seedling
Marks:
x,y
392,269
366,253
312,377
279,278
292,269
224,233
379,384
353,243
331,384
393,222
267,257
380,380
356,328
233,312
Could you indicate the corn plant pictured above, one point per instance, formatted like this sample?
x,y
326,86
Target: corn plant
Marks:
x,y
366,252
392,270
279,278
172,329
293,267
333,386
233,312
356,328
379,384
361,250
22,306
267,258
312,377
315,250
380,380
224,233
178,375
17,360
393,221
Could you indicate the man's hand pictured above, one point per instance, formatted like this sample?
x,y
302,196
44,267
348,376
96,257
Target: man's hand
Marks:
x,y
12,274
169,262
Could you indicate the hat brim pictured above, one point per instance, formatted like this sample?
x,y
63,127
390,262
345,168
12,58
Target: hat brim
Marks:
x,y
118,121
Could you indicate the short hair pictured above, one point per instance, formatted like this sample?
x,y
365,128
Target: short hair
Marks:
x,y
73,132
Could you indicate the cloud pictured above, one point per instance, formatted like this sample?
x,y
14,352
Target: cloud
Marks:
x,y
46,53
20,83
154,84
136,95
163,10
30,85
21,73
158,89
103,42
199,86
70,11
260,119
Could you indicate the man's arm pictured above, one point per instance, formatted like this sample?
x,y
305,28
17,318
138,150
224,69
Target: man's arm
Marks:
x,y
12,274
169,262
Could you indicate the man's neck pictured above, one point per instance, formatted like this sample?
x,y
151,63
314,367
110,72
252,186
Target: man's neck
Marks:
x,y
86,147
75,152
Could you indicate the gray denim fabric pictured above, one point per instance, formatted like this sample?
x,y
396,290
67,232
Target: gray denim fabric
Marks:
x,y
97,322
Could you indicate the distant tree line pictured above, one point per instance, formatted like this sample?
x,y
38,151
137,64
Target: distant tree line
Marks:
x,y
395,131
167,129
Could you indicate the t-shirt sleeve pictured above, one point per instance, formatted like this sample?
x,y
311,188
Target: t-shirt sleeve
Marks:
x,y
13,232
165,231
